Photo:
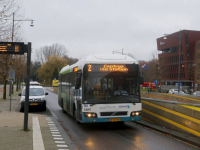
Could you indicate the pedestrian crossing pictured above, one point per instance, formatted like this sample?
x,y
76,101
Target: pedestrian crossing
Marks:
x,y
60,143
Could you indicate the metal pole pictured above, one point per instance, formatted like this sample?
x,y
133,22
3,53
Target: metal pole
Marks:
x,y
13,27
10,92
26,105
179,60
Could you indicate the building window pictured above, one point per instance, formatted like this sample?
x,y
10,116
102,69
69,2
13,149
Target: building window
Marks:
x,y
174,49
198,68
198,77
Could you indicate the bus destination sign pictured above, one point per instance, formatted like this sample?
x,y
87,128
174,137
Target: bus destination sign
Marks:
x,y
11,48
107,68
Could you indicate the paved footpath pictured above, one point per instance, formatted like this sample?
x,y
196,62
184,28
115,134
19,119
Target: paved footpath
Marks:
x,y
43,133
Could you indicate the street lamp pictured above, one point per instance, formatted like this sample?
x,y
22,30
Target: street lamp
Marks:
x,y
118,52
179,58
32,25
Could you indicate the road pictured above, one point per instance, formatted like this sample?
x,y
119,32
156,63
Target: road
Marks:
x,y
112,136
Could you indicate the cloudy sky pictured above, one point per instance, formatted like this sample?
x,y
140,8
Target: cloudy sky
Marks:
x,y
103,26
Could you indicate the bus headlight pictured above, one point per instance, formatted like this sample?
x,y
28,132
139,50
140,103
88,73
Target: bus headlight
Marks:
x,y
136,113
90,115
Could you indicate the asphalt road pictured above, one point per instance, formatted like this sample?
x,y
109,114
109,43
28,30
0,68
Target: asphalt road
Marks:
x,y
113,136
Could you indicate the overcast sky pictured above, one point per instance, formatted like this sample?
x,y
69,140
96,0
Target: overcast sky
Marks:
x,y
102,26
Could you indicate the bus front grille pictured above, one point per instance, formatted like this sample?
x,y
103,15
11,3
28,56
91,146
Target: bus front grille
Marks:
x,y
119,113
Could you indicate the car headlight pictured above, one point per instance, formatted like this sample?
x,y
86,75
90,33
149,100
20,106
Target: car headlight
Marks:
x,y
43,99
136,113
90,115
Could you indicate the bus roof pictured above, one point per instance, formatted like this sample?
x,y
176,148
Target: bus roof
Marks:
x,y
100,59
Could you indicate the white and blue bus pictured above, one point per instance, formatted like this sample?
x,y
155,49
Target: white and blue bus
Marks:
x,y
101,88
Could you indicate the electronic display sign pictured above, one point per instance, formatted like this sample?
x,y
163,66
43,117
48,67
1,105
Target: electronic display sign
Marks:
x,y
111,67
12,48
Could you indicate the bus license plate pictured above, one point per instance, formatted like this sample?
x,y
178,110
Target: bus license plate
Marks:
x,y
114,119
33,104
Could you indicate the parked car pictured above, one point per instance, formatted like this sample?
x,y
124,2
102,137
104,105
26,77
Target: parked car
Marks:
x,y
33,83
173,91
181,93
37,97
197,93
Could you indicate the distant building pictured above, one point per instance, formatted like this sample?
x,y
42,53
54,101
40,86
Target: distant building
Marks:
x,y
189,58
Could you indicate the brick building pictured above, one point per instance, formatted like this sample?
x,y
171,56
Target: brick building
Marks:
x,y
189,58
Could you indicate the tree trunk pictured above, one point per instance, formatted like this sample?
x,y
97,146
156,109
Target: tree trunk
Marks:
x,y
4,88
17,86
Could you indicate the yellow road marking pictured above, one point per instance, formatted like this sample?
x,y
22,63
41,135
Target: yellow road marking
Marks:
x,y
172,112
182,97
191,107
172,122
143,118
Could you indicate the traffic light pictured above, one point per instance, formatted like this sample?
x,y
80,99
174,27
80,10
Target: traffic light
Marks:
x,y
12,48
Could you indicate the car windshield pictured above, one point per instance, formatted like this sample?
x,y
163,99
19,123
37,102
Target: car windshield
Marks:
x,y
34,92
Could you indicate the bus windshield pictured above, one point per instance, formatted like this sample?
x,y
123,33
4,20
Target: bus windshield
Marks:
x,y
111,87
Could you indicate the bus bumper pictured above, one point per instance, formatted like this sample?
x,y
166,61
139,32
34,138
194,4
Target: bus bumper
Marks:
x,y
122,119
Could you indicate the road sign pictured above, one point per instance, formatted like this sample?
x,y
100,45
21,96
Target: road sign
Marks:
x,y
156,81
196,85
180,83
11,74
12,48
176,84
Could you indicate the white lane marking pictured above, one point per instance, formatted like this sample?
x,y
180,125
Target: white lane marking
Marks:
x,y
62,146
55,132
63,149
59,142
37,136
58,138
56,135
53,128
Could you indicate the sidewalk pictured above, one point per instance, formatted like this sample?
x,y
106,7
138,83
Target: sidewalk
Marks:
x,y
41,135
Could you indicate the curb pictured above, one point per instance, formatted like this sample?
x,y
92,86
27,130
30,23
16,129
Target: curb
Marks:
x,y
178,135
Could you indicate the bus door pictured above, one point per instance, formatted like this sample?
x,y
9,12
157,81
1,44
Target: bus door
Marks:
x,y
79,103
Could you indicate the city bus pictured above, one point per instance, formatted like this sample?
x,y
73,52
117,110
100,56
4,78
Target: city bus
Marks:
x,y
89,89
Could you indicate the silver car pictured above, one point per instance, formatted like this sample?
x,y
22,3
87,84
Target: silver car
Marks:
x,y
173,91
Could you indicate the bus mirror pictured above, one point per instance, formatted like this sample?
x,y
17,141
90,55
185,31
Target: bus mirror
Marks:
x,y
141,79
78,81
85,71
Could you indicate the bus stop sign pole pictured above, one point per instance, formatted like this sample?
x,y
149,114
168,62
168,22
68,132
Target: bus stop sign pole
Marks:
x,y
19,48
26,105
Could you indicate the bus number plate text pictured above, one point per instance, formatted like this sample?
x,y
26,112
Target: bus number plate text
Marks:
x,y
114,119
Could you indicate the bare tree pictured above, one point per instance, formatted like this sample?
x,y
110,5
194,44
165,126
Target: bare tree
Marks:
x,y
70,60
43,53
129,54
7,10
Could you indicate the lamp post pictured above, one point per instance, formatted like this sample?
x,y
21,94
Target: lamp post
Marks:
x,y
179,55
26,105
32,25
118,52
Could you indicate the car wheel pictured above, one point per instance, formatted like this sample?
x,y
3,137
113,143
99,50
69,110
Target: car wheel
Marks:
x,y
21,109
44,108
